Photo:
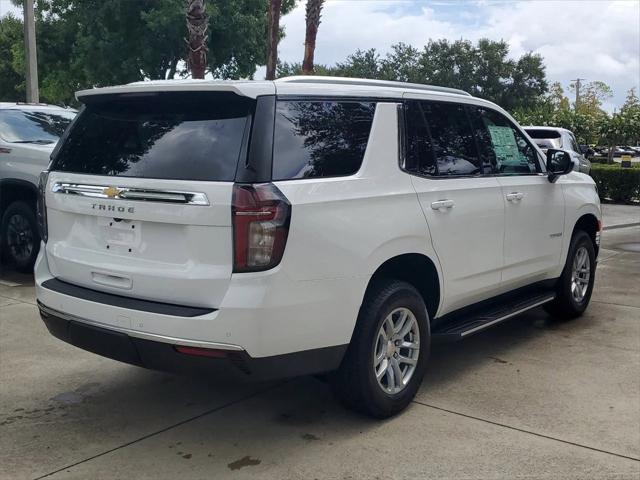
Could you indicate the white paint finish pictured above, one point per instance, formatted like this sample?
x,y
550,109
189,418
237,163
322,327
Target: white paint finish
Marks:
x,y
467,238
251,89
349,226
169,252
534,228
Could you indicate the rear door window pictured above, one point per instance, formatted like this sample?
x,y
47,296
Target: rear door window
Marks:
x,y
320,138
182,136
440,140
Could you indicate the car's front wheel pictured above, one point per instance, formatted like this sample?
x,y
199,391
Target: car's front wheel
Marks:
x,y
575,285
387,357
19,236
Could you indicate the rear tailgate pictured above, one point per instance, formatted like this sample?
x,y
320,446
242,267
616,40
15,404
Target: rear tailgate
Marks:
x,y
139,196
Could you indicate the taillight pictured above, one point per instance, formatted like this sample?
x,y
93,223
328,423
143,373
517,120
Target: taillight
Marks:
x,y
41,210
261,216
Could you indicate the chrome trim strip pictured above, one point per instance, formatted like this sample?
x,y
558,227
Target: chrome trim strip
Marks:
x,y
129,193
144,335
512,314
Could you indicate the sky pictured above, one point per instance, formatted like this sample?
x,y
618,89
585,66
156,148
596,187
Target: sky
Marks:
x,y
594,40
590,39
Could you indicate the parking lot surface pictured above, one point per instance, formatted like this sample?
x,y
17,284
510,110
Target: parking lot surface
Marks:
x,y
530,398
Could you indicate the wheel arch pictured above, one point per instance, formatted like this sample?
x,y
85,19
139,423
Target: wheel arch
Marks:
x,y
416,269
15,189
589,224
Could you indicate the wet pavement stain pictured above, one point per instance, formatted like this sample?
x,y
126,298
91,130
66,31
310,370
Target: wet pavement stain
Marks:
x,y
244,462
309,437
68,397
498,360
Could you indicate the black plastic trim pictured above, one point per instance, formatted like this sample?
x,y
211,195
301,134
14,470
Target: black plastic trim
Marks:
x,y
475,309
59,286
257,167
232,366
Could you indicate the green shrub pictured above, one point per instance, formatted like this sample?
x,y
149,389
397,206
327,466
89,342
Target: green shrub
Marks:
x,y
615,183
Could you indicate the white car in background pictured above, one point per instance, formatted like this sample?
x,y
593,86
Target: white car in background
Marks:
x,y
560,138
28,135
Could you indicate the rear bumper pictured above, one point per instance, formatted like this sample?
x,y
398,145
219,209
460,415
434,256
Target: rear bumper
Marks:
x,y
232,365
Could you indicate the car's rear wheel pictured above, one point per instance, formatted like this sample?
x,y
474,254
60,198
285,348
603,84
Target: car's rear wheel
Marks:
x,y
19,236
575,285
387,357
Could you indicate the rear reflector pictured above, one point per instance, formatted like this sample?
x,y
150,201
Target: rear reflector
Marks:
x,y
201,352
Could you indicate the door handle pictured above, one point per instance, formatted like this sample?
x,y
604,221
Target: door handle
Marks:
x,y
515,196
442,204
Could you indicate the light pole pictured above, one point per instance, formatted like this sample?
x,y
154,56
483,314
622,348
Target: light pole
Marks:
x,y
33,96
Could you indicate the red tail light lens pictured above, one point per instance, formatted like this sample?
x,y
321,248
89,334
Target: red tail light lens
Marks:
x,y
261,216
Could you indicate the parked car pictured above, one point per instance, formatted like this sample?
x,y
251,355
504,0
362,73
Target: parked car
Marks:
x,y
28,134
555,137
307,225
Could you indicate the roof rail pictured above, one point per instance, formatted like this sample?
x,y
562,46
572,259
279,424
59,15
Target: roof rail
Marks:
x,y
370,83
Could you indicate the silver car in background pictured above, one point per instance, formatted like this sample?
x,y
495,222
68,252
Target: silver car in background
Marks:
x,y
28,135
560,138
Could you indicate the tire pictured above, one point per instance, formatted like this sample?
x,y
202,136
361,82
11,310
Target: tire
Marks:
x,y
19,237
571,302
355,383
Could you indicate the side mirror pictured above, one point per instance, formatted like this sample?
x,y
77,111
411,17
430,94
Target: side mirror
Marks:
x,y
559,163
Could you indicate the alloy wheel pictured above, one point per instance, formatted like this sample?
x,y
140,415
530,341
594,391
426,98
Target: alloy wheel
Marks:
x,y
396,351
580,275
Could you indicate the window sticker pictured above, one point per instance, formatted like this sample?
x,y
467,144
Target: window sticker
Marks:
x,y
505,145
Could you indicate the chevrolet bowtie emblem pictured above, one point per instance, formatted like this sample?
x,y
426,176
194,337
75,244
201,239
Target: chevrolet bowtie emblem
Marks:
x,y
111,192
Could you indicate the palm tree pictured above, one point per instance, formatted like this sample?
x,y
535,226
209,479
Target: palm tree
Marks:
x,y
197,25
274,36
314,8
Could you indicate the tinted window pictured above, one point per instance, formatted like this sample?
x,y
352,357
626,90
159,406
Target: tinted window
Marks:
x,y
440,139
503,148
37,126
320,138
419,155
189,136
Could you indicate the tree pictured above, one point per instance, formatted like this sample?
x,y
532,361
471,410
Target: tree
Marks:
x,y
273,38
313,11
483,69
11,46
87,43
197,25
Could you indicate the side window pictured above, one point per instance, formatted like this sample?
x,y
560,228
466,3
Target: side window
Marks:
x,y
419,155
439,140
320,138
503,149
451,138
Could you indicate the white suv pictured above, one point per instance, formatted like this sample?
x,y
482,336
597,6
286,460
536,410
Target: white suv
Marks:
x,y
306,225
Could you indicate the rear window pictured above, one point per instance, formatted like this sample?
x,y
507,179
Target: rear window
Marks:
x,y
542,133
182,136
320,138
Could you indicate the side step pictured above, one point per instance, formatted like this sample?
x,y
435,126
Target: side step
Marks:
x,y
458,326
